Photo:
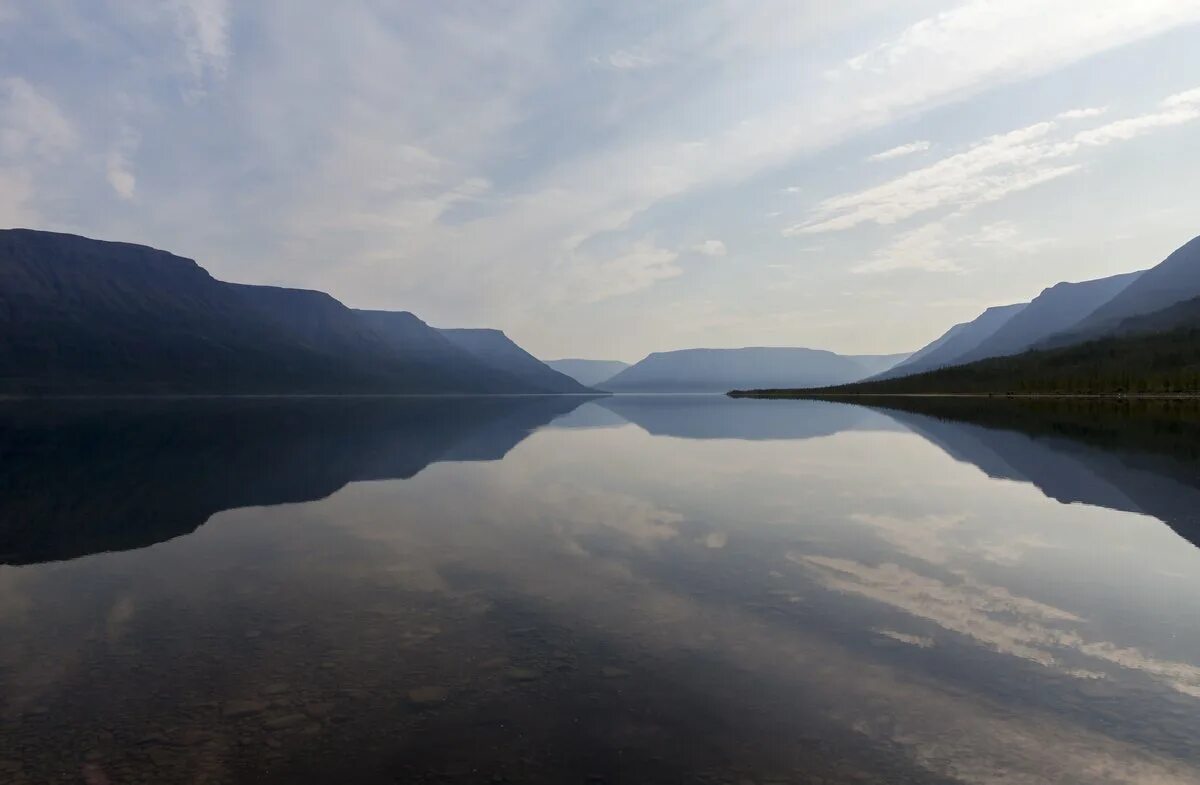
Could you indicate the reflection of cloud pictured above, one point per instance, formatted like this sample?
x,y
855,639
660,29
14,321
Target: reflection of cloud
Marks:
x,y
991,615
920,641
918,537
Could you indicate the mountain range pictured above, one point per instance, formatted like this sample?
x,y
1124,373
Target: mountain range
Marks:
x,y
719,370
1133,333
83,316
589,373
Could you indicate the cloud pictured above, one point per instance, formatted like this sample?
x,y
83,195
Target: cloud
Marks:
x,y
710,248
640,267
987,171
990,39
203,28
1082,114
924,248
993,616
32,125
940,247
35,135
624,60
1175,110
901,151
119,169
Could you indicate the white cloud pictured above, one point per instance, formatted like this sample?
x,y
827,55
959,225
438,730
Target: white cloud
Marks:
x,y
1175,110
203,29
624,60
940,247
924,248
901,151
1082,114
710,248
119,168
990,39
987,171
638,268
30,123
34,136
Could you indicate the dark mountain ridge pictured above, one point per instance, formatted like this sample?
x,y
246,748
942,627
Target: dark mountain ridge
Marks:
x,y
955,342
1054,310
83,316
496,350
1173,280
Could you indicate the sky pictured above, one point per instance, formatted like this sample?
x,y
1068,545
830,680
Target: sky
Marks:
x,y
606,179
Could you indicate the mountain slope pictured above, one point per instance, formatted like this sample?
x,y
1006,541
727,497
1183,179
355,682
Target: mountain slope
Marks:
x,y
589,373
1175,279
719,370
1142,358
955,342
496,350
1054,310
85,316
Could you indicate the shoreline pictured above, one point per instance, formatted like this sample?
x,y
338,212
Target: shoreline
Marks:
x,y
800,394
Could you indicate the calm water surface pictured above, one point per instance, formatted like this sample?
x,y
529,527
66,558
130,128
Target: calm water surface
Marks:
x,y
622,590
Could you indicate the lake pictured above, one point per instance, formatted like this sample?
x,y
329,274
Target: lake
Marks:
x,y
632,589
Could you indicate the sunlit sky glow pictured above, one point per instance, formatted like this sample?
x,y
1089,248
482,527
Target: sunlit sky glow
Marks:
x,y
606,179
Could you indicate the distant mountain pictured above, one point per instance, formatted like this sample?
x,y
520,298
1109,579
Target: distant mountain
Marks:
x,y
494,349
955,343
1153,354
1175,279
1054,310
588,372
720,370
85,316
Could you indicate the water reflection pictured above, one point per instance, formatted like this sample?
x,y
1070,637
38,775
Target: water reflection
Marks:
x,y
90,476
642,590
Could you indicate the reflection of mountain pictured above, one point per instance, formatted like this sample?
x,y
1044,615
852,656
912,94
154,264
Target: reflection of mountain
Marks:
x,y
719,417
719,370
85,477
1142,458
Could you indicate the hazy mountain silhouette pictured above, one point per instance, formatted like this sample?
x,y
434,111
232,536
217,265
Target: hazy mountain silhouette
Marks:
x,y
1156,354
719,370
83,477
716,417
588,372
1175,279
955,343
88,316
497,351
1138,458
1054,310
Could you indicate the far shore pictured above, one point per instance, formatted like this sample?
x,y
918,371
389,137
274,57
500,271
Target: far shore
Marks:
x,y
1093,396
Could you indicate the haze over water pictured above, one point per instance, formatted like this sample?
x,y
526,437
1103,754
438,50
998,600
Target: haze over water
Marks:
x,y
626,589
